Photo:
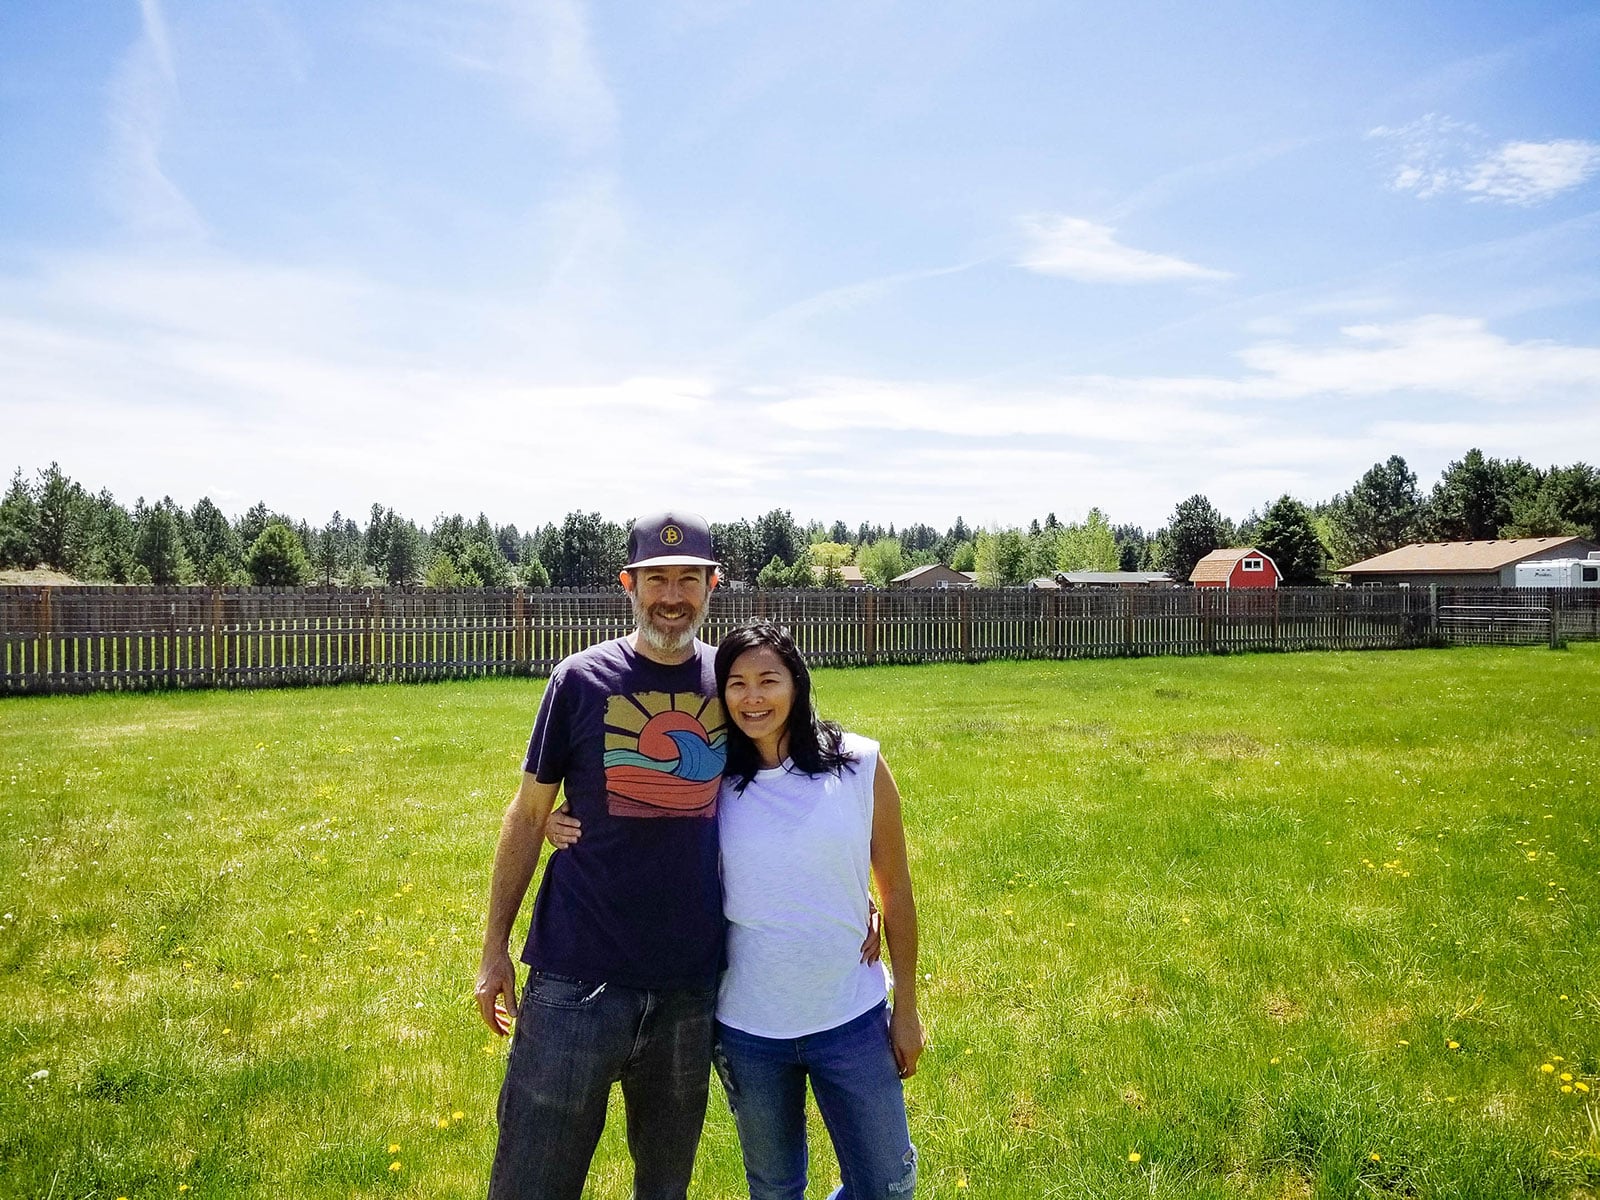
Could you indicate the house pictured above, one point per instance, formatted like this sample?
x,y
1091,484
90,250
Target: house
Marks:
x,y
1488,562
1113,579
934,575
1240,567
853,578
1043,583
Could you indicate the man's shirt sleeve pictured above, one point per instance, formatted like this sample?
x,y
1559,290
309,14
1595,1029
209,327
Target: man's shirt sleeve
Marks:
x,y
550,747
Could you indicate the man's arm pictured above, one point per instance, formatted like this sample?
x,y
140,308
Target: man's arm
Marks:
x,y
516,856
891,871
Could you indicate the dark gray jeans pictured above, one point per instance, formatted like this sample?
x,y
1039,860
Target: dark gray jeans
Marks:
x,y
574,1039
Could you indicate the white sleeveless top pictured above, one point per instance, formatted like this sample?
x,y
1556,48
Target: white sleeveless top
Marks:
x,y
796,865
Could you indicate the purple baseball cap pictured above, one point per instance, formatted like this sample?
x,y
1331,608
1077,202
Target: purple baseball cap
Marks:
x,y
670,539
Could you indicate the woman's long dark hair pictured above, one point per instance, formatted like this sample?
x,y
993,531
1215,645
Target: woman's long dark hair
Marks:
x,y
816,747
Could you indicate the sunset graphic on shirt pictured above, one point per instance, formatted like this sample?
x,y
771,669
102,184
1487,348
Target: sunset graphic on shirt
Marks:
x,y
664,754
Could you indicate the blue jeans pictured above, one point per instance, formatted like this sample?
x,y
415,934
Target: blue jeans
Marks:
x,y
573,1040
857,1085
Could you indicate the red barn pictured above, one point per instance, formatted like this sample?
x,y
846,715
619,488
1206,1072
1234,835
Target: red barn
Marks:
x,y
1241,567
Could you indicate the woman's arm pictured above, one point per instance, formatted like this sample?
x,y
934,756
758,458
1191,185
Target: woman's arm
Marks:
x,y
891,871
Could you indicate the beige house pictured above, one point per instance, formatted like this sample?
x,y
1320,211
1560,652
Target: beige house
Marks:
x,y
1491,562
934,575
853,578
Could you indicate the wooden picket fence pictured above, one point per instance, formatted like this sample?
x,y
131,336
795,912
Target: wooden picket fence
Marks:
x,y
85,639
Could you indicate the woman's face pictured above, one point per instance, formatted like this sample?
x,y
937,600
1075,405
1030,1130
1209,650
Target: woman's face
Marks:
x,y
759,694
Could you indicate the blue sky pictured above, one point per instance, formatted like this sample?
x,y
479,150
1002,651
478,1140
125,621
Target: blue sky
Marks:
x,y
860,260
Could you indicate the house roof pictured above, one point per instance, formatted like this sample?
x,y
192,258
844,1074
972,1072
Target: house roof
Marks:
x,y
1091,578
1487,554
1219,564
918,572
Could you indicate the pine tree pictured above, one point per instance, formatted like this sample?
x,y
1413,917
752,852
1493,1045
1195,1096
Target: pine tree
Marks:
x,y
1287,534
277,558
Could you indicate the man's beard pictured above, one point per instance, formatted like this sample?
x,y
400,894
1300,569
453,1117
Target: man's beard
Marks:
x,y
663,640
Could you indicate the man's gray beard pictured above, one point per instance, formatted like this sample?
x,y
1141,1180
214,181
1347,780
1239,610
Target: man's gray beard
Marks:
x,y
668,643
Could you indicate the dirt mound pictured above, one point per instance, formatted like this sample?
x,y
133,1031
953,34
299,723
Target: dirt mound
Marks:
x,y
39,576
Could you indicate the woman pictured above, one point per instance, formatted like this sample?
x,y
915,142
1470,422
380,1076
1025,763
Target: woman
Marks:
x,y
807,813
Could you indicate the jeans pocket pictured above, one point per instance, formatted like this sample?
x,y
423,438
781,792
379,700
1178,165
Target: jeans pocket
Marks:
x,y
561,991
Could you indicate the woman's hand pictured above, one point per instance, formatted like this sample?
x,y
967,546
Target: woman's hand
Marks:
x,y
906,1038
562,829
872,946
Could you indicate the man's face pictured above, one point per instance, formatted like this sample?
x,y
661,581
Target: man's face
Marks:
x,y
669,604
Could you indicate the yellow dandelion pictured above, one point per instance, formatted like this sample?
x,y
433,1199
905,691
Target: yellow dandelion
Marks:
x,y
394,1166
961,1182
1449,1099
1581,1086
1452,1045
1402,1042
457,1115
1548,1068
1557,1058
1275,1061
1566,1077
442,1123
1563,996
183,1187
226,1032
394,1147
1134,1156
1375,1156
1566,1089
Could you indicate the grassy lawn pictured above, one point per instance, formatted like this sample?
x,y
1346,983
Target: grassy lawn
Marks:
x,y
1279,925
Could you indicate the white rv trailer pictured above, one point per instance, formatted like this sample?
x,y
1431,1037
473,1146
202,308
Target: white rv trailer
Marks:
x,y
1560,573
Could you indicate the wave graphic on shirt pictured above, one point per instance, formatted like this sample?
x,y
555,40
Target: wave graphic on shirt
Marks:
x,y
664,754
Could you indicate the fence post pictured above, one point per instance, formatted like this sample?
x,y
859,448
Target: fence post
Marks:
x,y
1275,620
1433,615
44,650
519,632
1125,598
216,636
869,626
374,633
1555,618
964,617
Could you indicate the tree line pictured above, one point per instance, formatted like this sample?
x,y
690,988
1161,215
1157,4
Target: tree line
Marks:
x,y
53,521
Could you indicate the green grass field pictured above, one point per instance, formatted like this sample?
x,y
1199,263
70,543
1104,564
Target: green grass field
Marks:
x,y
1277,925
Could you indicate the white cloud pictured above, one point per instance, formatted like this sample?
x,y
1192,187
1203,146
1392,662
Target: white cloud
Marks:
x,y
289,384
1442,355
1531,172
1436,156
1082,250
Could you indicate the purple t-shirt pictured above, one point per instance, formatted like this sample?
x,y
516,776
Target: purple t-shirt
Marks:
x,y
639,749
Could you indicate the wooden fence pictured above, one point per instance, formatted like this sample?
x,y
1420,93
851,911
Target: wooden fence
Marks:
x,y
83,639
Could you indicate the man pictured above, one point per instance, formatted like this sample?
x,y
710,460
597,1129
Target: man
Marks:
x,y
626,940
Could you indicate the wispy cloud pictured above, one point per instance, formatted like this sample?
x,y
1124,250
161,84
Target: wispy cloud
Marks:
x,y
1436,156
540,51
1090,253
142,96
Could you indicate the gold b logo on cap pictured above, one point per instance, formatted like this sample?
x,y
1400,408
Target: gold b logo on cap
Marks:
x,y
671,535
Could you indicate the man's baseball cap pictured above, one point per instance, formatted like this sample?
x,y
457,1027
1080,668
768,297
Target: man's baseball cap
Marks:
x,y
670,539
